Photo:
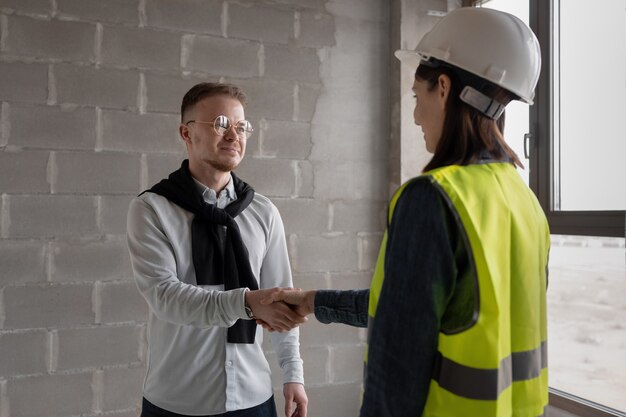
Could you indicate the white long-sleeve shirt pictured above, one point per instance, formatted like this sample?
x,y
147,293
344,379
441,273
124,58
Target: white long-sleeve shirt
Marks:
x,y
191,369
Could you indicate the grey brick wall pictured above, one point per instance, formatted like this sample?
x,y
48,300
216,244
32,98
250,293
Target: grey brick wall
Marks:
x,y
89,99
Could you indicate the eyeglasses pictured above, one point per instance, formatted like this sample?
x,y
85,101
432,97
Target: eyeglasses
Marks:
x,y
222,124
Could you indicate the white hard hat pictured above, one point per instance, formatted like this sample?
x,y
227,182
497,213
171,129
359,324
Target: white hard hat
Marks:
x,y
490,44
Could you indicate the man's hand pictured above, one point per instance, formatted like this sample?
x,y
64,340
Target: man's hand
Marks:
x,y
277,315
302,302
294,393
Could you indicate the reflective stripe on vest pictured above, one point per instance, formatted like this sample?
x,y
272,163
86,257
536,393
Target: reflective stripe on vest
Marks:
x,y
487,384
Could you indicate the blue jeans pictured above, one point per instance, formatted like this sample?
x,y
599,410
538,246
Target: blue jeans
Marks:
x,y
266,409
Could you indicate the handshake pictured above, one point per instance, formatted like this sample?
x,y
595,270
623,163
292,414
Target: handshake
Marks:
x,y
280,309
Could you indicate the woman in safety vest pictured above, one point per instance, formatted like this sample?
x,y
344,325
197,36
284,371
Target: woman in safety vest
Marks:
x,y
456,312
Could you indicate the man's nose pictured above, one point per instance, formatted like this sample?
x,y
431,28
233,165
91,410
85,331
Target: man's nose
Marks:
x,y
231,134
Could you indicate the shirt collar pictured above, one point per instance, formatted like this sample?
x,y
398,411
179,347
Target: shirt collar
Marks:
x,y
226,196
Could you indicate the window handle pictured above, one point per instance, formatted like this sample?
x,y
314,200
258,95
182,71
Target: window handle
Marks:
x,y
527,138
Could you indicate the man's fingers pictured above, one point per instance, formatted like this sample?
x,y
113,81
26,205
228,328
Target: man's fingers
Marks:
x,y
274,315
282,324
265,325
291,315
301,407
287,323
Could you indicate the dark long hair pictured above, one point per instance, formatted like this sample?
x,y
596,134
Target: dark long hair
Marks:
x,y
467,132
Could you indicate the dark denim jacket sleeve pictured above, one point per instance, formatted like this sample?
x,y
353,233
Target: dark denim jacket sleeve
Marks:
x,y
347,307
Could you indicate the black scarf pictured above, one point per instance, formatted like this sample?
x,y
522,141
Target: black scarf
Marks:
x,y
216,261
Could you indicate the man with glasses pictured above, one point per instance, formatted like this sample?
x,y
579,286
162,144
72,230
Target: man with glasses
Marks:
x,y
205,249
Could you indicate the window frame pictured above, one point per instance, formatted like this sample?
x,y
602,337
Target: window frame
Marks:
x,y
580,407
610,223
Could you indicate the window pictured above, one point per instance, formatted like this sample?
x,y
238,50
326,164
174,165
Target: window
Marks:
x,y
589,105
578,128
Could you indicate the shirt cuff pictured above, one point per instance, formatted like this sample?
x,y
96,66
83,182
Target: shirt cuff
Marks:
x,y
239,306
293,373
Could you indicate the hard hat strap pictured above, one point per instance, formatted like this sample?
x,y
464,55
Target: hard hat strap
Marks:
x,y
487,106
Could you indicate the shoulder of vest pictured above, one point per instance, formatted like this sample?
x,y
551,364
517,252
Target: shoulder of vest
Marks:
x,y
413,181
421,179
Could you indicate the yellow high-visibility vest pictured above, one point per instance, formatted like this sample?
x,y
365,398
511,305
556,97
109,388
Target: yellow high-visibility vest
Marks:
x,y
497,366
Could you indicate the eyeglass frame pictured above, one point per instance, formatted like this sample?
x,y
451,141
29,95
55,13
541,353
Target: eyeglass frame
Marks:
x,y
248,133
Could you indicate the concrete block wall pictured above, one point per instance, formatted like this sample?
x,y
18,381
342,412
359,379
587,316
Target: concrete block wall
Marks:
x,y
89,101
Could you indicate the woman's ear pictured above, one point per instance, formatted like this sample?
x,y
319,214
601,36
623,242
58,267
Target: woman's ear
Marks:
x,y
444,86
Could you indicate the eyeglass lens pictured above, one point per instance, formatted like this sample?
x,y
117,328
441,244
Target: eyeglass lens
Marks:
x,y
222,125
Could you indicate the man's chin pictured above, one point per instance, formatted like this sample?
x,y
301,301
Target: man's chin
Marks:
x,y
224,166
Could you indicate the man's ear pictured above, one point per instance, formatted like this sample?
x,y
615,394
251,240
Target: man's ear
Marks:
x,y
183,131
444,86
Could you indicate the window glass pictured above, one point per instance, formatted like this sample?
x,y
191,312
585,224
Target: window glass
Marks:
x,y
590,105
587,319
